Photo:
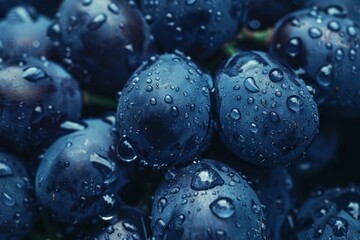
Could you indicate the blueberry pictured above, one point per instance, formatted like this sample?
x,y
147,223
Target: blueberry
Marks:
x,y
163,113
36,97
79,177
17,208
330,214
195,27
206,200
265,113
23,33
130,224
265,13
101,42
323,48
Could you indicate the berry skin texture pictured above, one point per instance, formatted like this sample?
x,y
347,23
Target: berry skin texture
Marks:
x,y
265,114
164,111
23,32
101,42
36,97
330,214
326,54
198,28
206,199
78,176
17,208
130,224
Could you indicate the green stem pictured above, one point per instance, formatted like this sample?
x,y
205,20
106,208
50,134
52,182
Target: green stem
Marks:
x,y
93,100
261,37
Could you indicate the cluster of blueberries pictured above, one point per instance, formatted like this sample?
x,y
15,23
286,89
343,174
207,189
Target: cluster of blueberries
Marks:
x,y
166,120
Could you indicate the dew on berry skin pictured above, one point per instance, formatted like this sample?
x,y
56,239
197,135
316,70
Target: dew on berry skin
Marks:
x,y
223,208
250,85
106,166
5,170
33,74
293,47
276,75
315,32
86,2
126,151
334,26
106,207
7,199
162,204
160,227
324,76
205,179
97,21
235,114
72,126
294,103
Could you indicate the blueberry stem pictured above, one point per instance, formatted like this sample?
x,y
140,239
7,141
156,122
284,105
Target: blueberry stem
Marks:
x,y
94,100
262,37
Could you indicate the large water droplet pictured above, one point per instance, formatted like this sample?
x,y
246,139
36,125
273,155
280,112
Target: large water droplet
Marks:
x,y
126,151
223,207
294,103
5,170
276,75
324,75
315,32
250,85
106,206
7,199
106,166
206,178
168,99
114,8
159,228
334,26
162,204
97,21
34,74
293,47
235,114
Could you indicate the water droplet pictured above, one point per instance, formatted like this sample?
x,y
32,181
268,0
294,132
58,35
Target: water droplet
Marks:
x,y
274,117
276,75
34,74
339,54
106,166
324,75
334,26
162,204
206,178
114,8
37,115
179,220
174,111
352,53
126,151
153,101
223,207
351,31
168,99
294,103
66,164
256,208
5,170
315,32
97,21
250,85
129,226
86,2
235,114
254,128
293,47
190,2
106,206
159,228
295,22
7,199
73,126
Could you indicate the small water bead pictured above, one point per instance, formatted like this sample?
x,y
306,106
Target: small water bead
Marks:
x,y
174,111
168,99
86,2
5,170
97,21
293,47
295,22
250,85
294,103
339,54
235,114
7,199
160,227
315,32
206,178
334,26
274,117
190,2
34,74
254,128
276,75
113,8
162,204
351,31
324,76
126,151
153,101
223,207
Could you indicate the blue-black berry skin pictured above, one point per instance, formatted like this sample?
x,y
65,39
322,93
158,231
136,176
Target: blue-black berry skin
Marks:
x,y
131,224
206,200
23,33
36,97
198,27
17,206
164,110
330,214
265,113
326,54
79,176
101,42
